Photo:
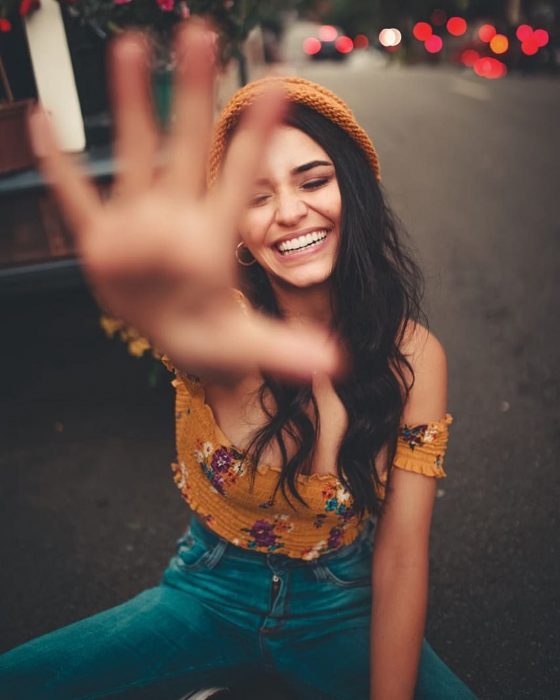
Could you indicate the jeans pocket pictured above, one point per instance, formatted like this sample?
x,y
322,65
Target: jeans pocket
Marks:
x,y
342,579
346,570
193,554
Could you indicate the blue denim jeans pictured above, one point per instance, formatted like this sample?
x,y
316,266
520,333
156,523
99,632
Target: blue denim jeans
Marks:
x,y
218,614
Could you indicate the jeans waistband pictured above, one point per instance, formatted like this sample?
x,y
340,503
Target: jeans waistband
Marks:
x,y
210,539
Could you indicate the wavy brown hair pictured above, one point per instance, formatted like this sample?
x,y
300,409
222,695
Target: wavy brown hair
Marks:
x,y
376,288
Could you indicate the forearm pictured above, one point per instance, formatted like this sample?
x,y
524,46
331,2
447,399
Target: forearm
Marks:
x,y
397,629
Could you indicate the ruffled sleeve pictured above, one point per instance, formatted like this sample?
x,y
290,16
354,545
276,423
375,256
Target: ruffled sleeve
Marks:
x,y
187,380
421,448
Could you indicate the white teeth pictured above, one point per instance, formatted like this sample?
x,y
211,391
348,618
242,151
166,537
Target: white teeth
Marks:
x,y
302,241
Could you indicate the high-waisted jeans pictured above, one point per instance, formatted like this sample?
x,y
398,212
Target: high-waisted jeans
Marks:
x,y
218,614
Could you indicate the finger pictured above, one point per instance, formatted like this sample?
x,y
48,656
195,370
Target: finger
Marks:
x,y
290,351
260,343
192,109
136,136
245,152
75,194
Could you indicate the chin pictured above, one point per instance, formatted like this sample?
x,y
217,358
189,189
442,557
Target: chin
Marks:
x,y
305,280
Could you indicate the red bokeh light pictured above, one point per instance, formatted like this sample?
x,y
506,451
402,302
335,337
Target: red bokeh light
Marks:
x,y
438,17
344,44
361,41
541,37
490,68
433,44
530,47
456,26
328,33
487,32
311,45
422,31
524,32
469,56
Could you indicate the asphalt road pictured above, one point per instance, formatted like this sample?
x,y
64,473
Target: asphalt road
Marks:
x,y
88,509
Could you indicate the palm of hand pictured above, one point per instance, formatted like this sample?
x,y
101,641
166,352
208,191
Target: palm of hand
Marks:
x,y
159,252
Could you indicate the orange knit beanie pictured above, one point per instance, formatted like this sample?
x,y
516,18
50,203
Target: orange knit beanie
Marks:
x,y
297,90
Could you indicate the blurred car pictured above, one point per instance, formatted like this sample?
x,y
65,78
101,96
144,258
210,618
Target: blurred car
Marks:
x,y
328,43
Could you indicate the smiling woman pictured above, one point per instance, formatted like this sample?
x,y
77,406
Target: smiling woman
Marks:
x,y
311,404
292,226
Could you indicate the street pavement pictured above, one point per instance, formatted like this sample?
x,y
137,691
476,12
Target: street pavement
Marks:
x,y
88,509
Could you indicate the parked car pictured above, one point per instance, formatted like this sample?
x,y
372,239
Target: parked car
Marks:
x,y
327,43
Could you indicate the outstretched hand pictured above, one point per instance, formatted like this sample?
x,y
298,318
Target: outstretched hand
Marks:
x,y
158,252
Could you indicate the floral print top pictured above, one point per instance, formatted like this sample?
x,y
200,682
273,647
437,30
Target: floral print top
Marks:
x,y
214,480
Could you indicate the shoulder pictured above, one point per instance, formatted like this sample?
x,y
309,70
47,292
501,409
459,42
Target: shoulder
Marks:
x,y
427,400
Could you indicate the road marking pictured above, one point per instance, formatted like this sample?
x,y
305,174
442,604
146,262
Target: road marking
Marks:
x,y
470,89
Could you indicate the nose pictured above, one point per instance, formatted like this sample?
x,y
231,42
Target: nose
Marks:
x,y
290,209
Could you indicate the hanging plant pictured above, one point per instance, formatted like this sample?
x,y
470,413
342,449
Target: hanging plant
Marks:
x,y
232,19
10,7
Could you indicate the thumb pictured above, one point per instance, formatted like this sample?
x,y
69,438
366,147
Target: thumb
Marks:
x,y
292,351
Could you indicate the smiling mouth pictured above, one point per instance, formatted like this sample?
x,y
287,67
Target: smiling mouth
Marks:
x,y
305,242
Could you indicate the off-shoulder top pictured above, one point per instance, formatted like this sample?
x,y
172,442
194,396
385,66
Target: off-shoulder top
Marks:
x,y
215,481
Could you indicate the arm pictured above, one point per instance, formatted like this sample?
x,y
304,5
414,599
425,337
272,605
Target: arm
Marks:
x,y
400,560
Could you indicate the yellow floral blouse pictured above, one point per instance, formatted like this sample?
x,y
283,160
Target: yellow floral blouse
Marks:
x,y
214,480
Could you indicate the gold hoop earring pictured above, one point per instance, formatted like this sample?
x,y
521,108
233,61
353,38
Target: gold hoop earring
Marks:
x,y
239,260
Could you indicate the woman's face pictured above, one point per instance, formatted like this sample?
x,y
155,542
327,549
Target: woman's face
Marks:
x,y
292,221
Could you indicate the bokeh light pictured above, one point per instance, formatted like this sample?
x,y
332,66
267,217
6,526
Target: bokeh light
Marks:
x,y
541,36
491,68
524,32
486,32
311,45
456,26
530,47
344,44
389,37
499,43
361,41
433,44
422,31
469,56
327,33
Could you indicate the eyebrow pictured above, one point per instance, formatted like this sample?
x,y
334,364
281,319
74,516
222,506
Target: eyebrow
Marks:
x,y
309,166
299,169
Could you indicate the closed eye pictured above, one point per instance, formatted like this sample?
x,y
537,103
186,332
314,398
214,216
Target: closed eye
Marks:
x,y
313,184
259,199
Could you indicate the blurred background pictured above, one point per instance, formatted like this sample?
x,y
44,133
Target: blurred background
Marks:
x,y
462,100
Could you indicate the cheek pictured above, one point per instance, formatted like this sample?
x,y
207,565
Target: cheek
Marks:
x,y
331,203
253,226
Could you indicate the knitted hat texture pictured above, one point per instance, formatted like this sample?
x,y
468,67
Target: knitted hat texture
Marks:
x,y
297,90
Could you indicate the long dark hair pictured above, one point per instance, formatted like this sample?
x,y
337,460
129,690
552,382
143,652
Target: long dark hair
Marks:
x,y
376,288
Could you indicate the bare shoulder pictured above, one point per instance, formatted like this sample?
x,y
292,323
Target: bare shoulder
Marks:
x,y
427,400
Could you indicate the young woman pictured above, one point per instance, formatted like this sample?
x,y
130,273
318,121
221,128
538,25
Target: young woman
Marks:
x,y
311,403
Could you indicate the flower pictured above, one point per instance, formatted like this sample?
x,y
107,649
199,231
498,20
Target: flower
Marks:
x,y
314,552
27,6
222,460
263,534
232,21
335,537
166,5
419,434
